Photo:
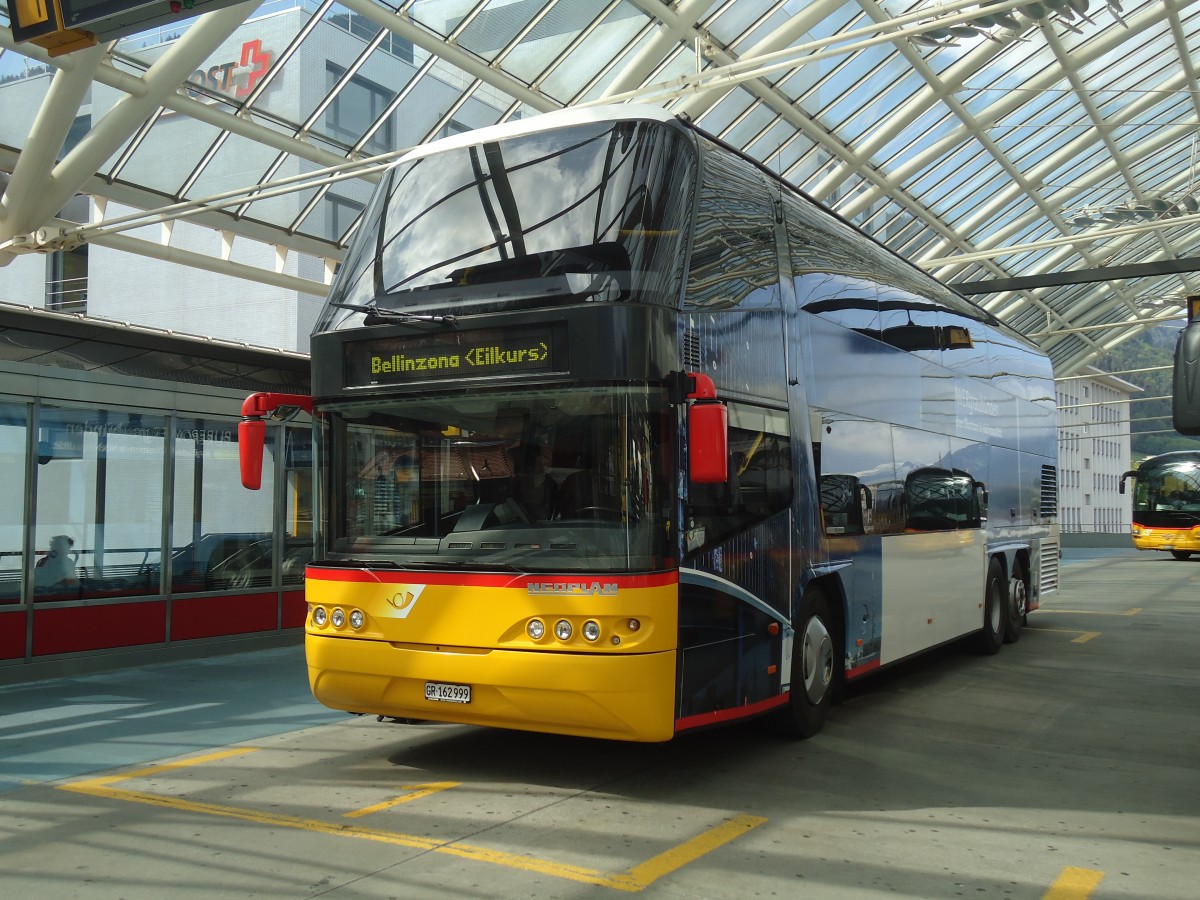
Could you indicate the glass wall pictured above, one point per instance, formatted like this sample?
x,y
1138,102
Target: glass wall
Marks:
x,y
221,533
128,528
99,490
13,439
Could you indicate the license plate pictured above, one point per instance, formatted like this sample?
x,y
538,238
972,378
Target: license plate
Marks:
x,y
447,693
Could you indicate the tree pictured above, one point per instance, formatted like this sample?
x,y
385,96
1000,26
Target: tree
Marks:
x,y
1154,347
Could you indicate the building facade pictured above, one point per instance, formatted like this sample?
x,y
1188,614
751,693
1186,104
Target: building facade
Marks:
x,y
1093,452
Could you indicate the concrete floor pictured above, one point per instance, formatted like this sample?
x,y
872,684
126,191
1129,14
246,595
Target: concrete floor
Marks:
x,y
1066,767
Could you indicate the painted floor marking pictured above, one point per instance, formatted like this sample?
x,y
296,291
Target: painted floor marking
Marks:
x,y
418,791
635,879
1073,884
1132,611
1082,637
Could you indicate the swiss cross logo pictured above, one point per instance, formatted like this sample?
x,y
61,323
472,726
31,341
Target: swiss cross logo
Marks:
x,y
258,61
236,79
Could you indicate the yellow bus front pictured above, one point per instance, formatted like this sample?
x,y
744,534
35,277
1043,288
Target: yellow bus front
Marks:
x,y
579,655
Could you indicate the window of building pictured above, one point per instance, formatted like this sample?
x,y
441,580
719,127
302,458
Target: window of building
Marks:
x,y
355,108
340,214
67,280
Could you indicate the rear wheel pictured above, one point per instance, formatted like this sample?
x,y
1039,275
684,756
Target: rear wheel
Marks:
x,y
1018,599
814,669
995,608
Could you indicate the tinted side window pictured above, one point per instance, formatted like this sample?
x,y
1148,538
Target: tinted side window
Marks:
x,y
760,478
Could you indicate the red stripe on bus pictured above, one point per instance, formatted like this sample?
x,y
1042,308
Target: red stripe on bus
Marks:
x,y
863,669
728,715
478,579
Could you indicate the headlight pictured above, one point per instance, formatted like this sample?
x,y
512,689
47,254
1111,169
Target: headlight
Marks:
x,y
357,619
563,630
591,630
535,629
320,617
338,618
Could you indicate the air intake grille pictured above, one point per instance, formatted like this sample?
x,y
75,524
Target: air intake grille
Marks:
x,y
691,351
1048,507
1049,562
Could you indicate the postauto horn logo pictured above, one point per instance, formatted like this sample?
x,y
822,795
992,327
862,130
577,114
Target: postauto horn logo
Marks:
x,y
405,599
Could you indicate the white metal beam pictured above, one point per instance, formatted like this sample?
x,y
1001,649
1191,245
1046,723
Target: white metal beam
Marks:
x,y
406,28
161,79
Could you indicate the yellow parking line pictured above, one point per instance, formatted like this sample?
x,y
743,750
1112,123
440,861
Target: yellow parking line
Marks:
x,y
631,881
1082,637
1132,611
1073,884
418,791
667,862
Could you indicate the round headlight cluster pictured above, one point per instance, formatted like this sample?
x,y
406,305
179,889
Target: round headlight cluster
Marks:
x,y
337,617
564,630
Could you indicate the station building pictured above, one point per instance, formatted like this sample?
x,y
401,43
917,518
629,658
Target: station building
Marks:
x,y
126,524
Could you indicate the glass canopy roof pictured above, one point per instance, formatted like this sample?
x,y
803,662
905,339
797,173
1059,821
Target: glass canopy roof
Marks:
x,y
1040,156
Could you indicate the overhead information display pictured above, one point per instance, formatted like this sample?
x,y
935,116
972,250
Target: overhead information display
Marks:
x,y
455,355
60,26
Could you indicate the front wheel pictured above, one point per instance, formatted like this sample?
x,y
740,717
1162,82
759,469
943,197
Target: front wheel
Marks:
x,y
814,669
995,610
1182,554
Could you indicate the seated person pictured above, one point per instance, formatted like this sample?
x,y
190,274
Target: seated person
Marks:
x,y
57,567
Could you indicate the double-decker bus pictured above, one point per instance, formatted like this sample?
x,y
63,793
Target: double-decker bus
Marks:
x,y
620,435
1166,503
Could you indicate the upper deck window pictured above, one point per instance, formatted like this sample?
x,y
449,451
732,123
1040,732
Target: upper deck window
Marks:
x,y
595,212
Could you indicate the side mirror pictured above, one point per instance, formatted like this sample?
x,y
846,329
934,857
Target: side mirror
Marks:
x,y
252,435
868,500
708,433
1132,473
252,431
1185,402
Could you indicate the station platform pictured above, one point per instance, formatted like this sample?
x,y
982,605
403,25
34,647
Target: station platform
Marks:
x,y
1062,768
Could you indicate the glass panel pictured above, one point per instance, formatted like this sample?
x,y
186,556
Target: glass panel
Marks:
x,y
13,423
1167,493
221,536
594,211
99,503
760,478
543,480
298,505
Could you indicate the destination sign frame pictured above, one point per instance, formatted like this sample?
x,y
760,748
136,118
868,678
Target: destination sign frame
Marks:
x,y
455,355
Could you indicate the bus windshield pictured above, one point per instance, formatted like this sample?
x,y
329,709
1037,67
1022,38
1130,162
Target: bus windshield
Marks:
x,y
535,480
1168,494
594,212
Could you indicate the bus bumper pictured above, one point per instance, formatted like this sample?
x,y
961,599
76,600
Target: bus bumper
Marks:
x,y
1184,539
617,696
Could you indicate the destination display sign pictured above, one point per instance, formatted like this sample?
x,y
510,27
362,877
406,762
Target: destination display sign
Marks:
x,y
454,355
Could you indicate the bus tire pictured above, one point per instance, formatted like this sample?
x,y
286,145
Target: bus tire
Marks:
x,y
1018,600
814,669
1182,554
995,609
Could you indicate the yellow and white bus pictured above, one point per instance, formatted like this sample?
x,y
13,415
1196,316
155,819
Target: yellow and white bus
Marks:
x,y
620,435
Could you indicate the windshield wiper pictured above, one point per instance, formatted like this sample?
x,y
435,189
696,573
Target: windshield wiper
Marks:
x,y
349,562
377,314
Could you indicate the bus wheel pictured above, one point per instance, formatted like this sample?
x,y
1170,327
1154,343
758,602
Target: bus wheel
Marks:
x,y
814,670
1182,554
995,605
1018,594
